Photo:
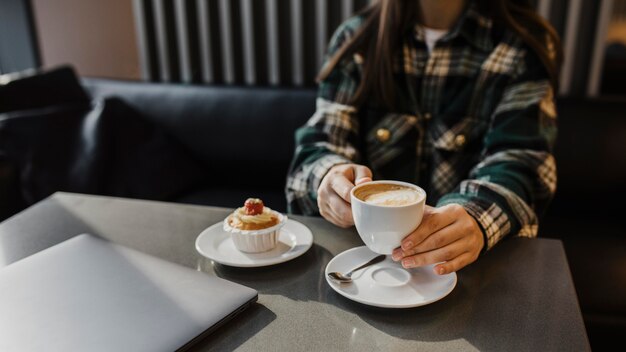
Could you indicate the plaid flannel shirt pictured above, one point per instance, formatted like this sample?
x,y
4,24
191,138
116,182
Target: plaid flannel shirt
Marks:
x,y
474,125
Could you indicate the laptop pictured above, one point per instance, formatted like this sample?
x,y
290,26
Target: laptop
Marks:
x,y
88,294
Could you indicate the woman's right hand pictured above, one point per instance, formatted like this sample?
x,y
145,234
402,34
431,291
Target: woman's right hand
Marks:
x,y
333,195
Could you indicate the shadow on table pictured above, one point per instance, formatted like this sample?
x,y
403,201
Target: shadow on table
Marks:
x,y
457,316
247,324
41,226
291,279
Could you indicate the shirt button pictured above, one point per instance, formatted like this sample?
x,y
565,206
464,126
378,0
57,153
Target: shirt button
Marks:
x,y
459,140
428,116
358,58
383,135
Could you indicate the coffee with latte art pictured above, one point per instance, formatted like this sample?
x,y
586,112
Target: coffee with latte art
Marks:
x,y
385,212
386,194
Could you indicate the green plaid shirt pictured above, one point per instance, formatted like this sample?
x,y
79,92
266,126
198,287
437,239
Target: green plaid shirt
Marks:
x,y
475,125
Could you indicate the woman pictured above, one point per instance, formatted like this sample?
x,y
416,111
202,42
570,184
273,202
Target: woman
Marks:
x,y
455,96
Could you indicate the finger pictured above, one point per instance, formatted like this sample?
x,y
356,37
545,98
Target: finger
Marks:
x,y
429,210
335,220
432,221
439,239
328,214
362,180
455,264
397,253
325,207
446,253
362,174
322,204
342,187
340,222
341,211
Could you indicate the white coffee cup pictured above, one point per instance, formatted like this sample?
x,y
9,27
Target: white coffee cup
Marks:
x,y
382,227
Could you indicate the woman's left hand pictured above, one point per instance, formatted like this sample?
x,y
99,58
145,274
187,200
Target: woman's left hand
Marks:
x,y
446,235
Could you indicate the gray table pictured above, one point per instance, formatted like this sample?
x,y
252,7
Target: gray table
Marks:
x,y
518,297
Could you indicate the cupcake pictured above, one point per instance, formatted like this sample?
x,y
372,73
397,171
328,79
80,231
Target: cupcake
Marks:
x,y
254,227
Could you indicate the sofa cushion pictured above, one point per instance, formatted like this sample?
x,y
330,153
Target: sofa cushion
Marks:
x,y
33,89
245,134
105,148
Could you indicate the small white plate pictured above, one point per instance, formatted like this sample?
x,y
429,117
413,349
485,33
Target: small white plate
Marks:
x,y
216,244
387,284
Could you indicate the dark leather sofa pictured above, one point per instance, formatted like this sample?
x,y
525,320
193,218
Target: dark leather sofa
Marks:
x,y
245,136
229,143
235,142
587,213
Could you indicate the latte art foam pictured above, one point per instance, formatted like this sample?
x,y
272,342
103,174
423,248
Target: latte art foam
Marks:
x,y
387,195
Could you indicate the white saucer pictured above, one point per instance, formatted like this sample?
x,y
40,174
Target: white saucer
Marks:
x,y
214,243
387,284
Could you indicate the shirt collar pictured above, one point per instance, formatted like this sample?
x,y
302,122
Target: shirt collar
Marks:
x,y
472,25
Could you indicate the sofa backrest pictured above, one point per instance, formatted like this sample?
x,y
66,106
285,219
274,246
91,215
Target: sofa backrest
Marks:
x,y
249,133
244,135
591,157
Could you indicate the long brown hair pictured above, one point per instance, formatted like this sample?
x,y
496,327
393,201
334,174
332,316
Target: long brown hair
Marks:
x,y
385,22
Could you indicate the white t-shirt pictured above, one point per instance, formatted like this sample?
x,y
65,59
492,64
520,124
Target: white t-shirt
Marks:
x,y
431,36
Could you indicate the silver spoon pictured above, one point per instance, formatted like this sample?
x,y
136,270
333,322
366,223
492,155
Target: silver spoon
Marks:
x,y
347,277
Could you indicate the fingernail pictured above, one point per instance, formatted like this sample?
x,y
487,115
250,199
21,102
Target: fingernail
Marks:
x,y
441,270
407,245
395,256
362,180
408,263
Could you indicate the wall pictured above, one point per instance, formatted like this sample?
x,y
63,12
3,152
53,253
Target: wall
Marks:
x,y
97,37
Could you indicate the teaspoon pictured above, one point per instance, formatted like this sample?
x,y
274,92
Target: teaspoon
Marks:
x,y
346,278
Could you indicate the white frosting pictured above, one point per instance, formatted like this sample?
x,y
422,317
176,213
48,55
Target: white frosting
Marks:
x,y
395,197
262,218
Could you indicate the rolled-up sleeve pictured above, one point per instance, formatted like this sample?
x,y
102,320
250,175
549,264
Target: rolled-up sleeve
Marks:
x,y
515,180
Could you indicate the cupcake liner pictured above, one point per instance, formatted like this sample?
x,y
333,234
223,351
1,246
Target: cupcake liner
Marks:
x,y
256,241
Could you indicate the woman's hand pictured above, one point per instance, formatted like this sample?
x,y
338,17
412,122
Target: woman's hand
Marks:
x,y
333,195
447,234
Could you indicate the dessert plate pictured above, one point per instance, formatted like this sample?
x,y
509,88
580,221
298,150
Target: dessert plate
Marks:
x,y
214,243
387,284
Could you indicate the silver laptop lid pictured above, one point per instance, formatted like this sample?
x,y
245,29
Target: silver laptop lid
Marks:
x,y
87,294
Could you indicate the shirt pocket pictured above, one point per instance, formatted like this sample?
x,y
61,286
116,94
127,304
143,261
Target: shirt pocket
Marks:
x,y
456,150
392,140
465,135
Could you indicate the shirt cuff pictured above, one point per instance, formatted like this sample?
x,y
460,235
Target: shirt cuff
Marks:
x,y
498,211
320,168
